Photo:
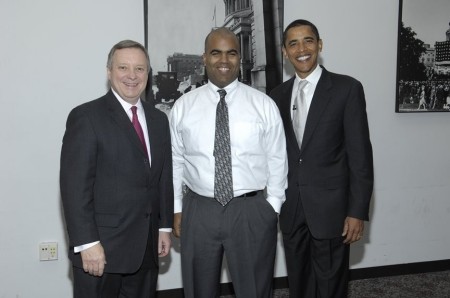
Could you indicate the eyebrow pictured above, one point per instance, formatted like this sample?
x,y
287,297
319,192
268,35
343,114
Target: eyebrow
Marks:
x,y
232,51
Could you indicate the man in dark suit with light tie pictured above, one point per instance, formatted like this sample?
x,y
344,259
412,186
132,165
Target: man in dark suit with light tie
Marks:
x,y
330,178
116,184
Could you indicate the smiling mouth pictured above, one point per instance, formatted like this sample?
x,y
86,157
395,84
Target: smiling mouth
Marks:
x,y
303,58
132,85
223,69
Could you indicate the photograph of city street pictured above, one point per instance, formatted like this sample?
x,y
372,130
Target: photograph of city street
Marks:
x,y
423,61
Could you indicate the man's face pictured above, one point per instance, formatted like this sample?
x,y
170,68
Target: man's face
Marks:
x,y
128,74
302,49
222,59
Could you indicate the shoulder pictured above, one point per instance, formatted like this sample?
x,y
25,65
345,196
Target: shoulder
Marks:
x,y
283,88
339,79
91,107
154,113
189,100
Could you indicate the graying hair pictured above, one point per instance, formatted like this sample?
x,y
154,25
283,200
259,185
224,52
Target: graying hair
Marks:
x,y
126,44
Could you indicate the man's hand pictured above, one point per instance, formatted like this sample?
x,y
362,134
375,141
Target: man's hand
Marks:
x,y
164,244
94,260
177,225
353,229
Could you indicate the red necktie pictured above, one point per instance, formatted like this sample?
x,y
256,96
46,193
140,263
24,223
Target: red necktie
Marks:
x,y
138,128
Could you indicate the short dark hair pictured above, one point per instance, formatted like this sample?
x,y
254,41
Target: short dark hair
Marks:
x,y
126,44
297,23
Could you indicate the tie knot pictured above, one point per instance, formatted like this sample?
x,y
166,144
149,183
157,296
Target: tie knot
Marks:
x,y
222,93
133,110
302,84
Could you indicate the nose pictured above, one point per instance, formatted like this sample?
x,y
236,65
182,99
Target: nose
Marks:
x,y
301,47
132,74
223,57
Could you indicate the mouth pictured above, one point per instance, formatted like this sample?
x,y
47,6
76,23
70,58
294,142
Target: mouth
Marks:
x,y
303,58
223,69
131,85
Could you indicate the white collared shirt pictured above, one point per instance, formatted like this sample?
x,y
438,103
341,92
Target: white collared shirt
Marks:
x,y
258,145
308,90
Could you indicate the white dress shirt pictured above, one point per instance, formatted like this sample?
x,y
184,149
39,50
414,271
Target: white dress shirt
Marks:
x,y
258,145
308,90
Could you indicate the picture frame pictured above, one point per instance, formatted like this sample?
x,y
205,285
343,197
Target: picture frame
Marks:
x,y
175,50
423,57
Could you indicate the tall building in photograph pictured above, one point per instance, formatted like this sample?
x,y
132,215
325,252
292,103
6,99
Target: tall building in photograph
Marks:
x,y
257,24
442,60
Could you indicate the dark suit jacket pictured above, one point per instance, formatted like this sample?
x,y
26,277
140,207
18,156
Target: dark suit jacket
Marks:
x,y
332,173
109,191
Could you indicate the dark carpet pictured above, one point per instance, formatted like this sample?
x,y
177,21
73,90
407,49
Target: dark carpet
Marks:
x,y
422,285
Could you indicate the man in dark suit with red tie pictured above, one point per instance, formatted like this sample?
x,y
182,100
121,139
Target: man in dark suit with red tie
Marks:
x,y
330,179
116,184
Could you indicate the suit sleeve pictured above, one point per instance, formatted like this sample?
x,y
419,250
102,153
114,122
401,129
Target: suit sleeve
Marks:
x,y
166,184
77,175
359,153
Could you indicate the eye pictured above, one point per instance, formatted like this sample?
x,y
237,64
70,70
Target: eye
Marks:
x,y
140,69
122,67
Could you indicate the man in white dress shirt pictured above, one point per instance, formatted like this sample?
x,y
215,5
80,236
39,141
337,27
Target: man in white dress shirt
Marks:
x,y
244,229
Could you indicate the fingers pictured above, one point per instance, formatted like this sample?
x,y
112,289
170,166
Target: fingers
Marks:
x,y
353,230
95,268
164,244
94,260
353,237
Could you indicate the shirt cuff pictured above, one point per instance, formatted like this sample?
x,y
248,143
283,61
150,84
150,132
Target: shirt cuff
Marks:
x,y
168,230
84,246
275,203
177,206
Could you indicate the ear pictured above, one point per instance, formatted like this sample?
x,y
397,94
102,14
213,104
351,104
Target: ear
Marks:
x,y
283,49
320,45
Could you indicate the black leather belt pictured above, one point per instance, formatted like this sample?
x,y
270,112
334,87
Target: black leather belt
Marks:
x,y
249,194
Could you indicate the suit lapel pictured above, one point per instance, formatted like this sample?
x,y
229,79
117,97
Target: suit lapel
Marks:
x,y
150,130
285,111
319,102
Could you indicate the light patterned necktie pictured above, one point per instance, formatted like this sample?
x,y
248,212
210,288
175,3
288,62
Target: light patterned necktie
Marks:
x,y
138,128
300,112
223,179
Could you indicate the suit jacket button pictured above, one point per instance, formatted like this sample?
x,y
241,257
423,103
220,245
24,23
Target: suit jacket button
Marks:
x,y
146,215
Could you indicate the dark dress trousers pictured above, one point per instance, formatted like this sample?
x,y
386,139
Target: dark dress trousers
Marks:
x,y
331,176
110,192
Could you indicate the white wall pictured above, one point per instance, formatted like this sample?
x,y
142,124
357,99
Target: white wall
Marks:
x,y
52,58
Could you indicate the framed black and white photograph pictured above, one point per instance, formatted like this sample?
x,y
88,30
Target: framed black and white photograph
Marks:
x,y
176,32
423,60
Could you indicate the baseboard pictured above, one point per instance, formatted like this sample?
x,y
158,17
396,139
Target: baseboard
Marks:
x,y
400,269
355,274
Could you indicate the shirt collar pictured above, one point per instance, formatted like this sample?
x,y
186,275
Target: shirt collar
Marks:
x,y
229,88
126,105
313,77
